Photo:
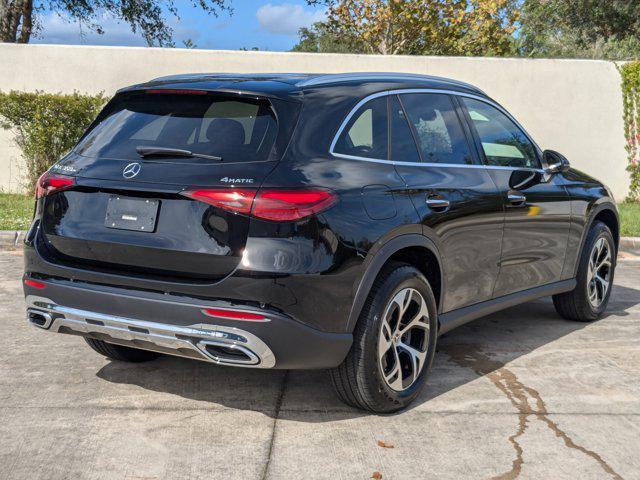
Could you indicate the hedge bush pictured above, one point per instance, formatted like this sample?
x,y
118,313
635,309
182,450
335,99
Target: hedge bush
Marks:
x,y
630,73
46,125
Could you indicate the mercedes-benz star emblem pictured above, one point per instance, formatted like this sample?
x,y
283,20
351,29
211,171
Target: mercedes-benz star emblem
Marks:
x,y
131,170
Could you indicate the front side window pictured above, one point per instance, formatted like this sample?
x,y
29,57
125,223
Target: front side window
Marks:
x,y
238,130
366,134
437,127
503,142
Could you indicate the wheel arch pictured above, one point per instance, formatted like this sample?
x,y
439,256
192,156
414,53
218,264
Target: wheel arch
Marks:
x,y
607,213
609,217
414,249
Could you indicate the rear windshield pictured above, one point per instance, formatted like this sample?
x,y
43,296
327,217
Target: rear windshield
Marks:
x,y
238,130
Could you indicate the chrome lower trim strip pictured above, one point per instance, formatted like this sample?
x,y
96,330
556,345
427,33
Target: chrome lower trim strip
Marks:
x,y
184,341
437,165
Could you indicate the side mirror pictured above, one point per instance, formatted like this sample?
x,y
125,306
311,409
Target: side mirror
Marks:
x,y
556,162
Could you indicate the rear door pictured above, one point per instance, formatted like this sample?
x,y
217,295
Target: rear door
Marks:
x,y
537,207
160,213
457,202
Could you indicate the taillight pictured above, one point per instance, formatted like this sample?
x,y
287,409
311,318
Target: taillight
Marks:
x,y
50,183
268,204
228,199
289,205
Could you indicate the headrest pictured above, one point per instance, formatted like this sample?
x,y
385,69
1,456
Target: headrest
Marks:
x,y
224,132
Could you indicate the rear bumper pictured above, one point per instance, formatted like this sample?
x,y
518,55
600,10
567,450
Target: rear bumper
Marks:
x,y
322,301
177,326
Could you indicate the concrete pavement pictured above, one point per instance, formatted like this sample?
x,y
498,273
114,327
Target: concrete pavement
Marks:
x,y
519,394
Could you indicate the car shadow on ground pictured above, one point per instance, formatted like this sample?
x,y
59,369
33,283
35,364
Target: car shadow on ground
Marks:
x,y
479,348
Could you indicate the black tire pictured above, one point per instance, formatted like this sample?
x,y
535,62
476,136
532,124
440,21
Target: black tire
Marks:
x,y
575,305
121,353
359,380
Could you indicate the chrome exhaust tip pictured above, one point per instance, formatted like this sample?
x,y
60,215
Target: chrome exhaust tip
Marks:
x,y
39,318
226,353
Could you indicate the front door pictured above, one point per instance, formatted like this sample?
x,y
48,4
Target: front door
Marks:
x,y
456,200
537,205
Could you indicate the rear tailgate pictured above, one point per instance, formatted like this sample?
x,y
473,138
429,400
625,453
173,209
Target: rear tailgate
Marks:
x,y
129,213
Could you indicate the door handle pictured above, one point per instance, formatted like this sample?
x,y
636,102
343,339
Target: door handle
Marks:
x,y
438,204
516,199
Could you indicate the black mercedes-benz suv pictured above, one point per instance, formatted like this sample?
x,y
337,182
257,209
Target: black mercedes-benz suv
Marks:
x,y
289,221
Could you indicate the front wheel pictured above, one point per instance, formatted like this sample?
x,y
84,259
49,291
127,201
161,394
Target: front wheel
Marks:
x,y
588,301
394,343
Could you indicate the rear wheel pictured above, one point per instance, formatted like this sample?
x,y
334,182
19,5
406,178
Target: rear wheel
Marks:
x,y
394,343
121,353
588,301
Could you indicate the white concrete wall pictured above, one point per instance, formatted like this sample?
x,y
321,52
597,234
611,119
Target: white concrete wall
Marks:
x,y
573,106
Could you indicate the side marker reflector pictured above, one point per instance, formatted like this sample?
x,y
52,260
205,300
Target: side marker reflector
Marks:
x,y
234,314
34,283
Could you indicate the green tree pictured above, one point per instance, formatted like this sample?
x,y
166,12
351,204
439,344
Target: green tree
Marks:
x,y
581,28
630,73
46,125
19,18
423,27
188,43
319,39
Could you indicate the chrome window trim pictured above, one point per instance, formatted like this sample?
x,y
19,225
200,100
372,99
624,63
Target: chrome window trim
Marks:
x,y
427,164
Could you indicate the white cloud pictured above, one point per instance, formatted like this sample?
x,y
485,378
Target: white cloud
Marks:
x,y
62,30
287,18
59,29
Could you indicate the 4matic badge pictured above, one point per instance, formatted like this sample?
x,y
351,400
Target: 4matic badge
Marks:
x,y
236,180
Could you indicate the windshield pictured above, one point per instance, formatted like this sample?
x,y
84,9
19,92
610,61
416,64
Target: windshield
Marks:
x,y
235,129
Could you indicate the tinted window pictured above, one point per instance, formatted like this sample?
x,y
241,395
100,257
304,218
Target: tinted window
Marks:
x,y
504,144
403,146
437,128
366,133
237,130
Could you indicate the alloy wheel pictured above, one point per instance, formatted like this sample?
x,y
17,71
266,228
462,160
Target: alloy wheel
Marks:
x,y
404,339
599,272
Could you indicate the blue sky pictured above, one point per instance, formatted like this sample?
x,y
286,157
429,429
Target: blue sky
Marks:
x,y
268,25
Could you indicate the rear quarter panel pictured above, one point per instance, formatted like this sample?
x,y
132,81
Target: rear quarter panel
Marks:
x,y
320,260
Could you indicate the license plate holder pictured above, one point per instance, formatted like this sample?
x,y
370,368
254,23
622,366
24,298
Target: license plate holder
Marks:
x,y
126,213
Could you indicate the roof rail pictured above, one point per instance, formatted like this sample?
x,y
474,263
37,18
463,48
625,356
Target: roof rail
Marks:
x,y
330,78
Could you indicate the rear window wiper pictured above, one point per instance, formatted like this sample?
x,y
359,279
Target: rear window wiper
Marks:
x,y
172,152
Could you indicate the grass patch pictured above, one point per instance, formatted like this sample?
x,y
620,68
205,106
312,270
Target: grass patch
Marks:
x,y
15,211
629,219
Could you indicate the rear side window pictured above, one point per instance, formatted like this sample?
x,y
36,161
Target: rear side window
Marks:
x,y
437,127
366,133
211,124
504,144
403,146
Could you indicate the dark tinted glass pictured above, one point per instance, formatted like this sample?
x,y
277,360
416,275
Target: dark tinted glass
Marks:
x,y
504,144
403,146
366,133
437,127
237,130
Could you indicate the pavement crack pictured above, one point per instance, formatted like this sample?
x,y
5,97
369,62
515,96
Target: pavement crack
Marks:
x,y
526,400
276,415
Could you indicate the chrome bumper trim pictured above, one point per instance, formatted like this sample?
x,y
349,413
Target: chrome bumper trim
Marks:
x,y
202,341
